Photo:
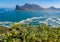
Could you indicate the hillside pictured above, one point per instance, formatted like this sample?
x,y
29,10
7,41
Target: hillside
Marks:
x,y
34,7
3,29
28,7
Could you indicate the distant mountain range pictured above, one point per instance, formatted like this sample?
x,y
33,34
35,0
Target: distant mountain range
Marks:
x,y
34,7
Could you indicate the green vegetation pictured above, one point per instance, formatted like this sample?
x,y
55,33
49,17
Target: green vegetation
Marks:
x,y
3,29
30,33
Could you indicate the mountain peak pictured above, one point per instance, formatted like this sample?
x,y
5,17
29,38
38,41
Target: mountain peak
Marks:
x,y
26,4
29,7
52,7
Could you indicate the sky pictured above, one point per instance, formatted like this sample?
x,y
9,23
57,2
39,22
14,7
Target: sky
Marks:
x,y
42,3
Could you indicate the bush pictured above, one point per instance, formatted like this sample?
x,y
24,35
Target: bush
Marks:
x,y
30,33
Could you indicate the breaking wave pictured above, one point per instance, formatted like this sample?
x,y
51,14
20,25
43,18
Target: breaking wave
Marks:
x,y
6,23
52,21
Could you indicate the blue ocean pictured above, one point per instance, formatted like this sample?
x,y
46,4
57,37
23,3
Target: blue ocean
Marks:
x,y
8,16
